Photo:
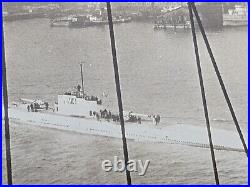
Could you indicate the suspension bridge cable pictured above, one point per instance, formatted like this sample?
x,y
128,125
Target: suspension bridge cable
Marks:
x,y
219,77
6,115
203,94
118,91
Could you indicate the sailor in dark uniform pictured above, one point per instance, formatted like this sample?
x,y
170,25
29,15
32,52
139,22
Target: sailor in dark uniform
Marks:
x,y
32,107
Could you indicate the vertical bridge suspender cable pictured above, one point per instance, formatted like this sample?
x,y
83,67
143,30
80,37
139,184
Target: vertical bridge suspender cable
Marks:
x,y
6,116
219,77
203,94
118,91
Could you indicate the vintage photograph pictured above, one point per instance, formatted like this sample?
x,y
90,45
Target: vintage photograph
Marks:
x,y
125,93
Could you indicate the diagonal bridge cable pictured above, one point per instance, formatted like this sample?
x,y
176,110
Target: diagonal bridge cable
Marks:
x,y
118,91
203,94
192,5
6,115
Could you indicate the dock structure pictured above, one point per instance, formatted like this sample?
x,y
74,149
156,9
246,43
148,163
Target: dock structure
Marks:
x,y
178,17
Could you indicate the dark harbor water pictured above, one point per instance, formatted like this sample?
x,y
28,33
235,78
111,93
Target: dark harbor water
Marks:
x,y
158,75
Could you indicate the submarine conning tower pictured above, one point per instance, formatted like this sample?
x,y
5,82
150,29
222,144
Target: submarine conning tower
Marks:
x,y
76,103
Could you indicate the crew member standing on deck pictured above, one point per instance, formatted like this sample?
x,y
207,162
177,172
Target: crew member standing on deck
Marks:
x,y
157,119
31,107
153,118
78,88
46,105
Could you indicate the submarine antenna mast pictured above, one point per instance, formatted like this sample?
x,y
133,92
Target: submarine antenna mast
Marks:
x,y
81,64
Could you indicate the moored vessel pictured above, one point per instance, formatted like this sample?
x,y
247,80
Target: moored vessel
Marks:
x,y
87,21
236,17
82,21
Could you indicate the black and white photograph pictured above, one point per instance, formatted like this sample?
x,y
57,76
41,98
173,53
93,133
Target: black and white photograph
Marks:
x,y
125,93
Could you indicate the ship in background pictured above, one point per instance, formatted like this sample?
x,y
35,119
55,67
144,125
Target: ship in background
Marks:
x,y
236,16
213,15
178,16
81,21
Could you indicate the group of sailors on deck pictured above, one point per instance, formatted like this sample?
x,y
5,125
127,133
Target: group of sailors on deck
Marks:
x,y
93,98
33,107
80,94
105,114
108,115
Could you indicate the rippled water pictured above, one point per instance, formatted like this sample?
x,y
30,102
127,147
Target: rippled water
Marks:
x,y
158,75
